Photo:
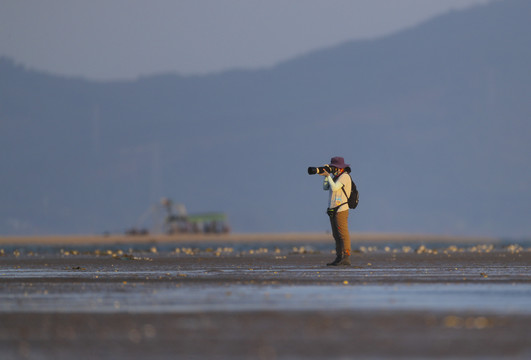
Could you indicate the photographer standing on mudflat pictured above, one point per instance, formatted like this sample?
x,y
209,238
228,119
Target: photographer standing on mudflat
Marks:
x,y
343,195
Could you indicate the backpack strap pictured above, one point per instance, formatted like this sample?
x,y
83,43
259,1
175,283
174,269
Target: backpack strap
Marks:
x,y
344,192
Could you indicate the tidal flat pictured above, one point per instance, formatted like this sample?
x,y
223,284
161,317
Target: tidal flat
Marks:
x,y
265,300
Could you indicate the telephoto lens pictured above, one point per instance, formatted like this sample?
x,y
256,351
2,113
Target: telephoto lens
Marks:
x,y
318,170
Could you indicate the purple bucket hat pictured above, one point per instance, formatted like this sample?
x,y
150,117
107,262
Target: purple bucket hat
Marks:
x,y
338,162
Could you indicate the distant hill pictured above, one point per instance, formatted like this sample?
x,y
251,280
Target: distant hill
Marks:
x,y
435,121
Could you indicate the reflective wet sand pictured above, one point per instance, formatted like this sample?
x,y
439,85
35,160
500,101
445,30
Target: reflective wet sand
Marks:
x,y
268,302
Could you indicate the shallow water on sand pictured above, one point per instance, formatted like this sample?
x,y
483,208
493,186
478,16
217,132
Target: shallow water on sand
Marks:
x,y
145,298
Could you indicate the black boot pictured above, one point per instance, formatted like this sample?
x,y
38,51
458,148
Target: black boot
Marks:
x,y
339,254
335,262
341,260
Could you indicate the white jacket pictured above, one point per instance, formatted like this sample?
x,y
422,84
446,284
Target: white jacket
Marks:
x,y
337,196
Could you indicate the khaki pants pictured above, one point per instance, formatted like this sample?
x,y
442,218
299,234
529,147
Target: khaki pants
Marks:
x,y
339,224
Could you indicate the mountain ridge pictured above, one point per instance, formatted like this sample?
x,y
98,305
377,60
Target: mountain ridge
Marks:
x,y
434,120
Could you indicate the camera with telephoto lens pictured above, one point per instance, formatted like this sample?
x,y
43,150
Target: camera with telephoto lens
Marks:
x,y
319,170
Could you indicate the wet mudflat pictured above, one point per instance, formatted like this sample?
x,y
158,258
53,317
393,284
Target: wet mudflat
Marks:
x,y
266,304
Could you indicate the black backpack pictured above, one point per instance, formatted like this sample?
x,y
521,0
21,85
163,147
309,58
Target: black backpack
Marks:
x,y
354,197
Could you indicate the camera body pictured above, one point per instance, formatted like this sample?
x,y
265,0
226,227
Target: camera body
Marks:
x,y
319,170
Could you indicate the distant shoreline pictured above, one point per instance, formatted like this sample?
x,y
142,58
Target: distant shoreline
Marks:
x,y
376,238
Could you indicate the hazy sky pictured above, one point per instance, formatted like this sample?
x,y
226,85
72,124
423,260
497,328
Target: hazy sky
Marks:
x,y
111,39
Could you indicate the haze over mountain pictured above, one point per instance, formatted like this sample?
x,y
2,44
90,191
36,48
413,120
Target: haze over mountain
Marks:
x,y
434,120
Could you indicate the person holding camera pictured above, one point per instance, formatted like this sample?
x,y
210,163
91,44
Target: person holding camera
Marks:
x,y
338,182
